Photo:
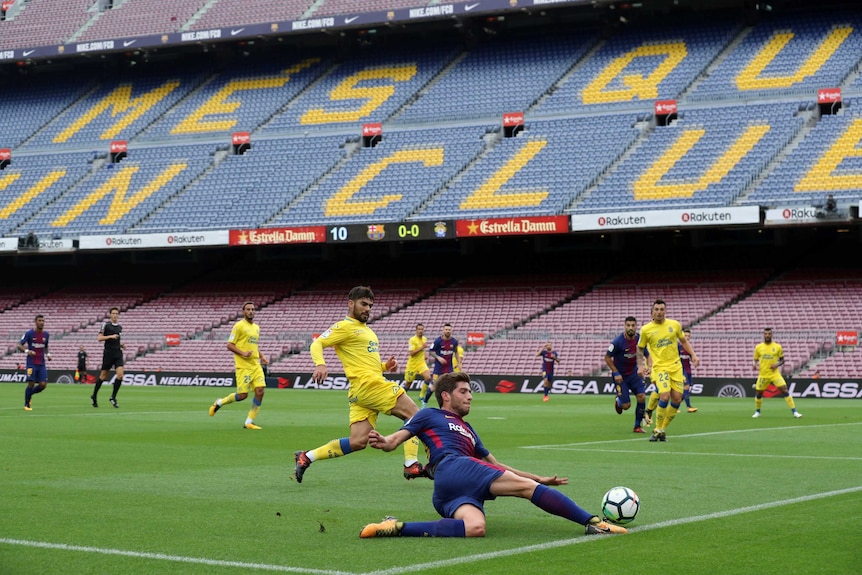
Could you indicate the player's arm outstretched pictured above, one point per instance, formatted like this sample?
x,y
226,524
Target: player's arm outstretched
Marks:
x,y
544,480
329,338
388,442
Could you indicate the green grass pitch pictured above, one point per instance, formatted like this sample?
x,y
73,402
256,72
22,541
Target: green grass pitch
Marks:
x,y
159,487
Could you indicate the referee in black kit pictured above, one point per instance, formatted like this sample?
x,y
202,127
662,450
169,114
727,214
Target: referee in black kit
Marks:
x,y
112,357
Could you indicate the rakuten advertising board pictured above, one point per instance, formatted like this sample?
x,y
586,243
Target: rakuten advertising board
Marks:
x,y
695,217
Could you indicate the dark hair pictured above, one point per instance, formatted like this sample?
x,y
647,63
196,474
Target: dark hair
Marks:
x,y
448,382
686,330
659,302
40,315
767,329
360,292
114,308
247,303
631,318
418,324
447,324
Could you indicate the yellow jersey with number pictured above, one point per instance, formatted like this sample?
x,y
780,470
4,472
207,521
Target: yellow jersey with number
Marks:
x,y
416,363
356,346
662,340
768,354
245,336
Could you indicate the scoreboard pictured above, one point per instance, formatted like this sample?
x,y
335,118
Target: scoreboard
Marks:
x,y
391,232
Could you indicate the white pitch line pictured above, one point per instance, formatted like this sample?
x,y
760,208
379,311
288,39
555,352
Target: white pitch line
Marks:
x,y
431,565
174,558
758,455
566,542
704,434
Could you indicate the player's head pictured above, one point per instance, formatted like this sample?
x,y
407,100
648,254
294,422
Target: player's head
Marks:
x,y
360,300
659,310
114,312
40,321
549,346
687,333
767,335
248,310
453,392
81,348
420,329
447,330
631,326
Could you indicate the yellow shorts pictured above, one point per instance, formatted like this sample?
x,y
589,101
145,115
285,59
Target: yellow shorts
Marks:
x,y
248,379
414,374
666,380
763,382
371,397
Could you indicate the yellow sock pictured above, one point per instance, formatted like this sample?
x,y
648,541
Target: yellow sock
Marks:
x,y
411,451
329,451
255,407
660,414
652,404
423,390
789,401
229,398
670,413
758,403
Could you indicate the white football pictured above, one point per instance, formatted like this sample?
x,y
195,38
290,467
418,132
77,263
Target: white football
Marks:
x,y
620,505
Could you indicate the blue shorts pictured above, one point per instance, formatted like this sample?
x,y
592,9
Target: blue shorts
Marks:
x,y
37,373
549,375
633,384
687,378
460,480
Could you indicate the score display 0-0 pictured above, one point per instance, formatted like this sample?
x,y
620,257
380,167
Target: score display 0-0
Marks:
x,y
391,232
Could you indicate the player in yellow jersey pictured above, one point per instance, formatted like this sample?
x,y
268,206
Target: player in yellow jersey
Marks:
x,y
416,360
242,343
768,358
369,394
458,359
662,337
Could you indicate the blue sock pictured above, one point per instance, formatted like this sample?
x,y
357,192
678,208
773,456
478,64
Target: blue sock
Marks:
x,y
674,405
640,408
344,443
427,395
547,391
28,393
440,528
554,502
37,389
662,402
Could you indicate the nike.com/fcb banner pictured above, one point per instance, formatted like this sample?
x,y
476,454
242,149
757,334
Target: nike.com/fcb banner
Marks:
x,y
252,31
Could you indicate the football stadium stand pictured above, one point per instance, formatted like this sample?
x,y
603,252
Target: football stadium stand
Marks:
x,y
747,132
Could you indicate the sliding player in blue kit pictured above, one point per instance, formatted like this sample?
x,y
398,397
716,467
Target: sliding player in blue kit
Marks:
x,y
466,474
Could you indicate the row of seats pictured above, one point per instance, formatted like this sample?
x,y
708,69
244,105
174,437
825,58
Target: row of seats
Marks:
x,y
545,75
437,174
579,317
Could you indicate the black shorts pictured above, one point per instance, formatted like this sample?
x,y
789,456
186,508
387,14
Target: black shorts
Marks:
x,y
112,359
